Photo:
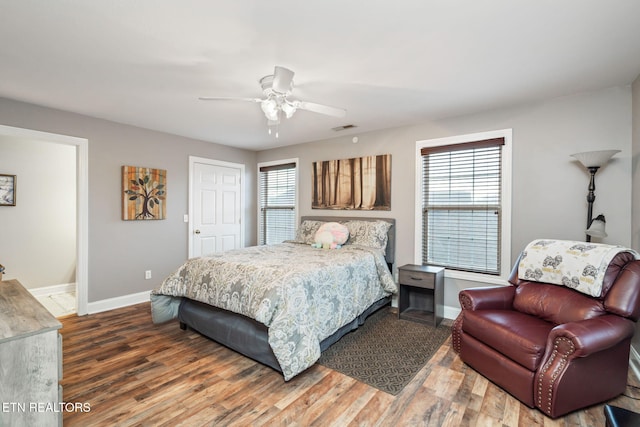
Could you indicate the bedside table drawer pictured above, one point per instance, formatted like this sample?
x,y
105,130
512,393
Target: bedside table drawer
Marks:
x,y
415,278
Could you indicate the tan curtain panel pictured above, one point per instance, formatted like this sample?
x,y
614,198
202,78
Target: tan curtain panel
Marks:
x,y
359,183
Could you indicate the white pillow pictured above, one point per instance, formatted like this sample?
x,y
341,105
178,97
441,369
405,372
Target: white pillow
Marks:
x,y
339,232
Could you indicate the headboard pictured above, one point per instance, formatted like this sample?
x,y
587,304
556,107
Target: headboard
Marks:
x,y
391,244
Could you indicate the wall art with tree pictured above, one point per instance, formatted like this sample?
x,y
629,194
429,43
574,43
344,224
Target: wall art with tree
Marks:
x,y
144,192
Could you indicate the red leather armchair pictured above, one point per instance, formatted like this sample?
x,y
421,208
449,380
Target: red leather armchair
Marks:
x,y
550,346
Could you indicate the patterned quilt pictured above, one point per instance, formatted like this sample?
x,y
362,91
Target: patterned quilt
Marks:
x,y
301,293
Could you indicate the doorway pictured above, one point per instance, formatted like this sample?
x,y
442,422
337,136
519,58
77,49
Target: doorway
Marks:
x,y
82,209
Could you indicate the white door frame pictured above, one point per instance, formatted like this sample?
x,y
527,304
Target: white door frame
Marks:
x,y
82,203
192,161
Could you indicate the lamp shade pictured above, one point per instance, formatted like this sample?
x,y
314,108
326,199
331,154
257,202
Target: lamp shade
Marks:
x,y
596,229
595,159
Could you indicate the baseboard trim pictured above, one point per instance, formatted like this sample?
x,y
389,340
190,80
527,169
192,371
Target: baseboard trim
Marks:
x,y
51,290
118,302
451,312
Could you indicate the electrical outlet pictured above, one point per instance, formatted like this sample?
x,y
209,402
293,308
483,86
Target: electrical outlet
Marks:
x,y
147,274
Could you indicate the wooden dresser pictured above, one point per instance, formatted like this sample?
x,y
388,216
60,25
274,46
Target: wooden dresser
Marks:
x,y
30,360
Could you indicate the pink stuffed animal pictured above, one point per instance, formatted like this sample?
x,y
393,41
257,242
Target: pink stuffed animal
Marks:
x,y
331,235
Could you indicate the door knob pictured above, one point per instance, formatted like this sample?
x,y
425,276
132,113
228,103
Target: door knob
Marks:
x,y
197,231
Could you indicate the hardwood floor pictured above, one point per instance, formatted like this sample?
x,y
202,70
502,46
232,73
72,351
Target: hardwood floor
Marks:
x,y
121,369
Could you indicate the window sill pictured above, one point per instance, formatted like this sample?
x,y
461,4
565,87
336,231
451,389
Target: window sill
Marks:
x,y
476,277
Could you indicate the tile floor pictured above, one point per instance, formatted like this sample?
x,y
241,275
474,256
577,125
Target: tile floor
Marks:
x,y
61,304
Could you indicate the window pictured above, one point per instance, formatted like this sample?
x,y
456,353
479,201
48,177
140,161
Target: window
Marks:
x,y
277,192
463,214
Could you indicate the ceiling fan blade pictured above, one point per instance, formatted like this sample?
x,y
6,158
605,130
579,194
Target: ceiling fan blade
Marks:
x,y
221,98
321,109
282,80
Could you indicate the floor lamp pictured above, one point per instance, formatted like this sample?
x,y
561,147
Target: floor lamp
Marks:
x,y
593,160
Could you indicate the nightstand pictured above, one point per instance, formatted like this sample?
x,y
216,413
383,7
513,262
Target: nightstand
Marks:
x,y
421,297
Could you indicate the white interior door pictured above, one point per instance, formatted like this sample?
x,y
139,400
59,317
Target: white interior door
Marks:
x,y
216,208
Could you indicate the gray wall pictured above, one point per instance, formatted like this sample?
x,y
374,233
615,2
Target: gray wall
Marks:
x,y
635,212
549,188
120,251
38,235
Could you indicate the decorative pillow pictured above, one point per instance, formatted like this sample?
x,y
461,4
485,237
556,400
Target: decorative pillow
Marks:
x,y
331,235
306,232
340,232
368,233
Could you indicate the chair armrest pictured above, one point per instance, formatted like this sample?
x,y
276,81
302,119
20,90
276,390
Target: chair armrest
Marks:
x,y
579,355
487,298
592,335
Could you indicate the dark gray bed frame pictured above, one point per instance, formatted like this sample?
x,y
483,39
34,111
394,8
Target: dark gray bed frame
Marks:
x,y
251,338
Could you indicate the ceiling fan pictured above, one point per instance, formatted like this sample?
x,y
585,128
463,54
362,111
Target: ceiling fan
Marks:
x,y
277,88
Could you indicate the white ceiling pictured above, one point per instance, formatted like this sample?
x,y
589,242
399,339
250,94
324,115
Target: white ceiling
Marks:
x,y
389,63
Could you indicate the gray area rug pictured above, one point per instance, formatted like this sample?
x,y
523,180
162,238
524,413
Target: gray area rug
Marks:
x,y
385,352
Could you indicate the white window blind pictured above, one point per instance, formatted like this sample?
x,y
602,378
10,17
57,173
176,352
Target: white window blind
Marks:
x,y
461,206
277,194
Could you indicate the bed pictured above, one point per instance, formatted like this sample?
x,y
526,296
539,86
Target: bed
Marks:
x,y
282,305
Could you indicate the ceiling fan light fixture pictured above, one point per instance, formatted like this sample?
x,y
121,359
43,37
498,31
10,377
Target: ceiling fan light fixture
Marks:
x,y
270,109
288,109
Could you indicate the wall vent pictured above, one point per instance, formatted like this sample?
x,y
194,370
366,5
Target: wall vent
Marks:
x,y
345,127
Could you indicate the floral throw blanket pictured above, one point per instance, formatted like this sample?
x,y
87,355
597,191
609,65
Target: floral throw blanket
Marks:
x,y
577,265
302,294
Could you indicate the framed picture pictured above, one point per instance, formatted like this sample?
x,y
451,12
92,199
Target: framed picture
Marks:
x,y
144,192
7,190
362,183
